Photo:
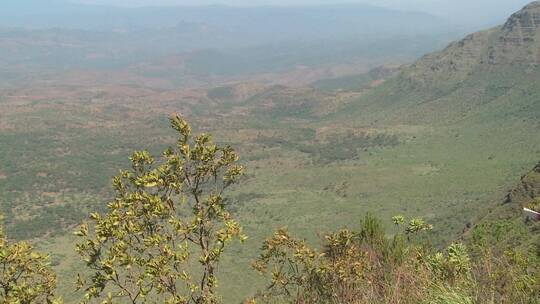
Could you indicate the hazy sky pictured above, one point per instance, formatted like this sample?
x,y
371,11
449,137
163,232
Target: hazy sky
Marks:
x,y
424,5
488,10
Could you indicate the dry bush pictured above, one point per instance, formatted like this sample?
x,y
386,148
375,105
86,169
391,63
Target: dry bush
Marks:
x,y
366,267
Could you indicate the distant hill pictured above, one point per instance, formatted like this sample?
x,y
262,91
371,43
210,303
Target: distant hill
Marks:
x,y
356,82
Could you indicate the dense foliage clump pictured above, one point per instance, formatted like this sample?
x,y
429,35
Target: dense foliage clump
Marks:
x,y
25,275
534,205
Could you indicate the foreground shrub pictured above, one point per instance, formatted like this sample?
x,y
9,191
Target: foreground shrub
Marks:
x,y
25,275
164,233
504,273
365,266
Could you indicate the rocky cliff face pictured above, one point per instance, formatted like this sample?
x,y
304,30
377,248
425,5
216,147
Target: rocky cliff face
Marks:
x,y
518,40
527,190
523,25
515,43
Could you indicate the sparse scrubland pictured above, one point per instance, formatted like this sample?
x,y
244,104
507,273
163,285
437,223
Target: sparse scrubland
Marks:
x,y
162,238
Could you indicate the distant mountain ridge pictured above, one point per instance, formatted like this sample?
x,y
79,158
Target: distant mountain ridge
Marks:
x,y
517,42
54,36
519,38
493,72
59,13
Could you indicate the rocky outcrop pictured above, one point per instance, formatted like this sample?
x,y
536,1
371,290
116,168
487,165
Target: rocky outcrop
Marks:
x,y
523,24
527,190
518,40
